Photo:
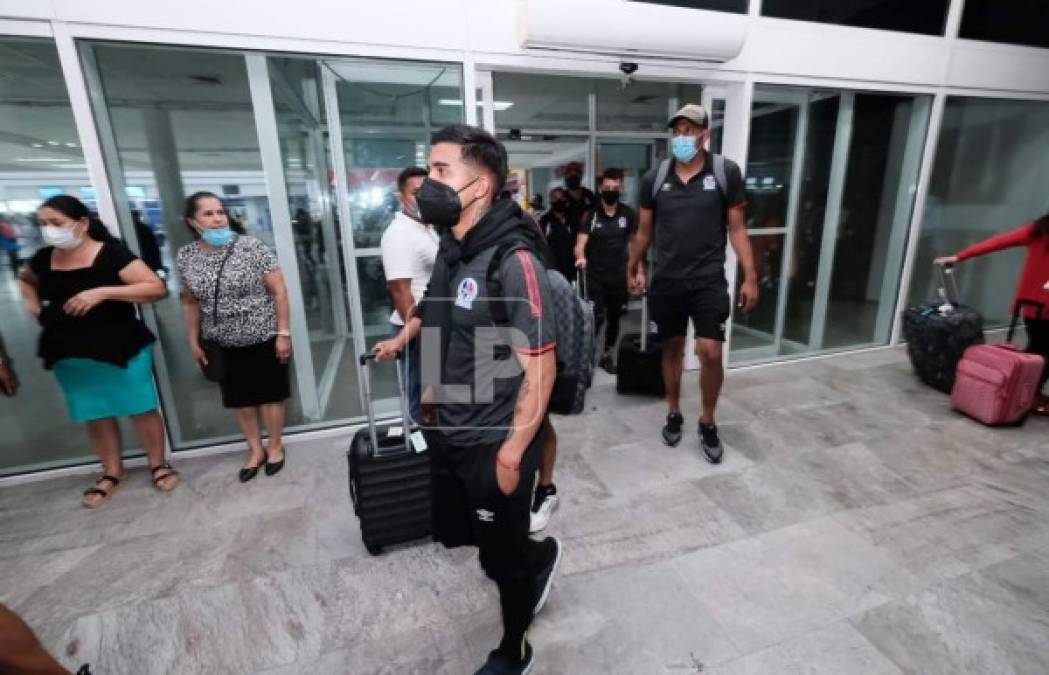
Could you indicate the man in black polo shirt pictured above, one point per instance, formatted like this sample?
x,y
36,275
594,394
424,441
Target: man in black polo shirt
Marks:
x,y
691,216
496,369
580,199
601,248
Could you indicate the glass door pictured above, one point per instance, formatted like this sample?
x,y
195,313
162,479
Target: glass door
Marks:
x,y
382,115
828,216
302,131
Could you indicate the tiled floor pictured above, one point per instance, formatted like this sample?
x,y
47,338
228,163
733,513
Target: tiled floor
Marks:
x,y
856,526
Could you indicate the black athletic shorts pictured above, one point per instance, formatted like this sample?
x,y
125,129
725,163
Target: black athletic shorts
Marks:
x,y
672,302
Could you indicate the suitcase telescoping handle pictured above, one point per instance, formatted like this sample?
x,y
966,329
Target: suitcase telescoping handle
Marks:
x,y
1018,311
949,284
369,404
644,322
580,283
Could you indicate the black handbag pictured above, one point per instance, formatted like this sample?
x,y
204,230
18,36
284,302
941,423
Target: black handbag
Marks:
x,y
215,370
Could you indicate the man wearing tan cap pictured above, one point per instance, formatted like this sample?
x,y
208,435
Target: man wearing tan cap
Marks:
x,y
693,204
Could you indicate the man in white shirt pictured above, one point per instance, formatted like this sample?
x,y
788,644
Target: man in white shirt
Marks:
x,y
409,248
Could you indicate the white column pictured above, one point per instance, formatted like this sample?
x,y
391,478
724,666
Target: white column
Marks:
x,y
484,81
735,144
797,174
932,138
905,193
469,89
80,104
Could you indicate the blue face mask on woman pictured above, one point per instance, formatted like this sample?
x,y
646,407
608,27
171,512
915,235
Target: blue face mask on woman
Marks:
x,y
218,236
684,148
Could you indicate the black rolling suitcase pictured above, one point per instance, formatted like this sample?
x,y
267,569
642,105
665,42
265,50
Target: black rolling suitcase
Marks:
x,y
938,334
639,361
389,475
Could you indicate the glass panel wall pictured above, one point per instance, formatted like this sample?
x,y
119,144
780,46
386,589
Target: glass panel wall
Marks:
x,y
388,111
928,17
40,157
829,208
298,100
175,120
735,6
990,176
1018,22
524,101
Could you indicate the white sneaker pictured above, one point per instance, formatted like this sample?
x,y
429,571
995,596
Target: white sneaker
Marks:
x,y
541,518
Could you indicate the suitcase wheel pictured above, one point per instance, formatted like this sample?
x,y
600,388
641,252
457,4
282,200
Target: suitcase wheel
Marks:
x,y
373,549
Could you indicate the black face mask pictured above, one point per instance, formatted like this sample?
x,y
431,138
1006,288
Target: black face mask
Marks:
x,y
439,204
610,197
559,206
573,182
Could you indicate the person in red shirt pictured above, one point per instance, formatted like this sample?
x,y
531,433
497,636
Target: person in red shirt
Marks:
x,y
1033,286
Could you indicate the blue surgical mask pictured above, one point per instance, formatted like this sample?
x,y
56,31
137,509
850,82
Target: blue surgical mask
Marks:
x,y
217,237
684,148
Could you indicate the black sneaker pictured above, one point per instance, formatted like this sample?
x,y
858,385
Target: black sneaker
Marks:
x,y
545,581
500,664
708,438
607,364
672,429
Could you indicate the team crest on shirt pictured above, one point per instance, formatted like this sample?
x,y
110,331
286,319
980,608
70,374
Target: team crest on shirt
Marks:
x,y
667,187
709,183
622,222
467,293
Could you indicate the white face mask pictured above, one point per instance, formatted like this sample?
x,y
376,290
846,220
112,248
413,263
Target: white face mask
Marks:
x,y
60,237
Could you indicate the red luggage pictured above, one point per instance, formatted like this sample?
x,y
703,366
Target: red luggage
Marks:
x,y
997,384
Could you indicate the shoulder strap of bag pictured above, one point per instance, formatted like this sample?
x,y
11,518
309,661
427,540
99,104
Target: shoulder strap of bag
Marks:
x,y
661,176
218,284
721,177
496,306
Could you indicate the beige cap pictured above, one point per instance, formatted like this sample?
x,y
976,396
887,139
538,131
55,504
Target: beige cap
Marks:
x,y
692,112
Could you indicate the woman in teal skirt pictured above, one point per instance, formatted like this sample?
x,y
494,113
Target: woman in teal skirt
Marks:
x,y
83,292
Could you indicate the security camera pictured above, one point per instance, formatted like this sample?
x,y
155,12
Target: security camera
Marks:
x,y
628,69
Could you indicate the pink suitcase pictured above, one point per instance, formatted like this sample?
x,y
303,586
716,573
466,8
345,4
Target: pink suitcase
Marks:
x,y
996,384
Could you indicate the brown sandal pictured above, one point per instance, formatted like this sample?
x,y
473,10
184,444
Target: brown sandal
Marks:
x,y
170,472
106,494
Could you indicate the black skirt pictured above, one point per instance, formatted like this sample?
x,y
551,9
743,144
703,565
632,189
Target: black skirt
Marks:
x,y
254,376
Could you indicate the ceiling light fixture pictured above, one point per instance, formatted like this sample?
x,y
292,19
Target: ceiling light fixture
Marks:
x,y
497,105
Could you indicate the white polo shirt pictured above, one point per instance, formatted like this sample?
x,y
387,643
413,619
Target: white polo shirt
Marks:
x,y
408,251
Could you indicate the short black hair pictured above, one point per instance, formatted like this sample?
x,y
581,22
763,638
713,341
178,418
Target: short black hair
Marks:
x,y
409,173
479,147
611,174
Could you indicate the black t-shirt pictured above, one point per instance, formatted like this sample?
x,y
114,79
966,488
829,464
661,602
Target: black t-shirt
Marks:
x,y
609,241
487,388
690,223
111,332
560,237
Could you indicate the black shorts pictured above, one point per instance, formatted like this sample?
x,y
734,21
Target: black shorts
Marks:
x,y
671,303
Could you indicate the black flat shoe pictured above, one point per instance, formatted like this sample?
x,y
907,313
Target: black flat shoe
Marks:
x,y
272,469
249,472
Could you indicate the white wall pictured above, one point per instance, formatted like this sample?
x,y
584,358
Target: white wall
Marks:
x,y
486,30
